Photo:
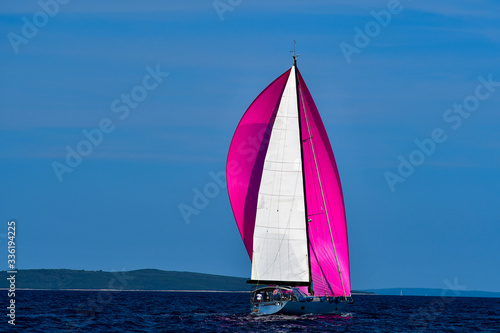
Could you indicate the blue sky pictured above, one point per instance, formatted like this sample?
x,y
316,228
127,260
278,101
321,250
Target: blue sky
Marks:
x,y
119,208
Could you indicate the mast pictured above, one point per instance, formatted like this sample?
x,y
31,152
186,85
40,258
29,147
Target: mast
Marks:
x,y
306,218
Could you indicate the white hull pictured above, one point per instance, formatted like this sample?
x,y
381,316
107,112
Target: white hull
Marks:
x,y
297,304
298,308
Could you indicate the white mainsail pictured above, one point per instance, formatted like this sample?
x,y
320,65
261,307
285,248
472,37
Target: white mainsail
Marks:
x,y
280,247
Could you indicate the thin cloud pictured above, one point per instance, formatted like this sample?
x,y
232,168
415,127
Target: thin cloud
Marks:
x,y
112,6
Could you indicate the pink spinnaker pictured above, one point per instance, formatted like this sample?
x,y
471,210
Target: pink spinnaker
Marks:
x,y
324,200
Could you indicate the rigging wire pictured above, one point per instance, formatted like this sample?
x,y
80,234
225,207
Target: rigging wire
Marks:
x,y
321,190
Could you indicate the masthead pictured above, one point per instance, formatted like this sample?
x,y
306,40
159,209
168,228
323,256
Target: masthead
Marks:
x,y
295,55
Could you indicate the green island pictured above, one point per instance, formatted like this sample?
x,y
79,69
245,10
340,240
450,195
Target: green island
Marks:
x,y
154,279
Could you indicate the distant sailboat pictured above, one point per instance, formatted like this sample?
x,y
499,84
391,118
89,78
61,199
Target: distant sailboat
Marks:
x,y
287,200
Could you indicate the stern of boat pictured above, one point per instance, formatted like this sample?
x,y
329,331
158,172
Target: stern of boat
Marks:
x,y
270,299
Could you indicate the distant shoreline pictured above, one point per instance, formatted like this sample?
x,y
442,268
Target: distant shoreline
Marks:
x,y
154,280
162,290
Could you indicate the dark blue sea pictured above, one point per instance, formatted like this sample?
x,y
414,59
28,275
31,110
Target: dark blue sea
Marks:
x,y
140,311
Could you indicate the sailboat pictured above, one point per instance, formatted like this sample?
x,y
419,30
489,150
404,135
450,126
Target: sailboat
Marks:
x,y
287,200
